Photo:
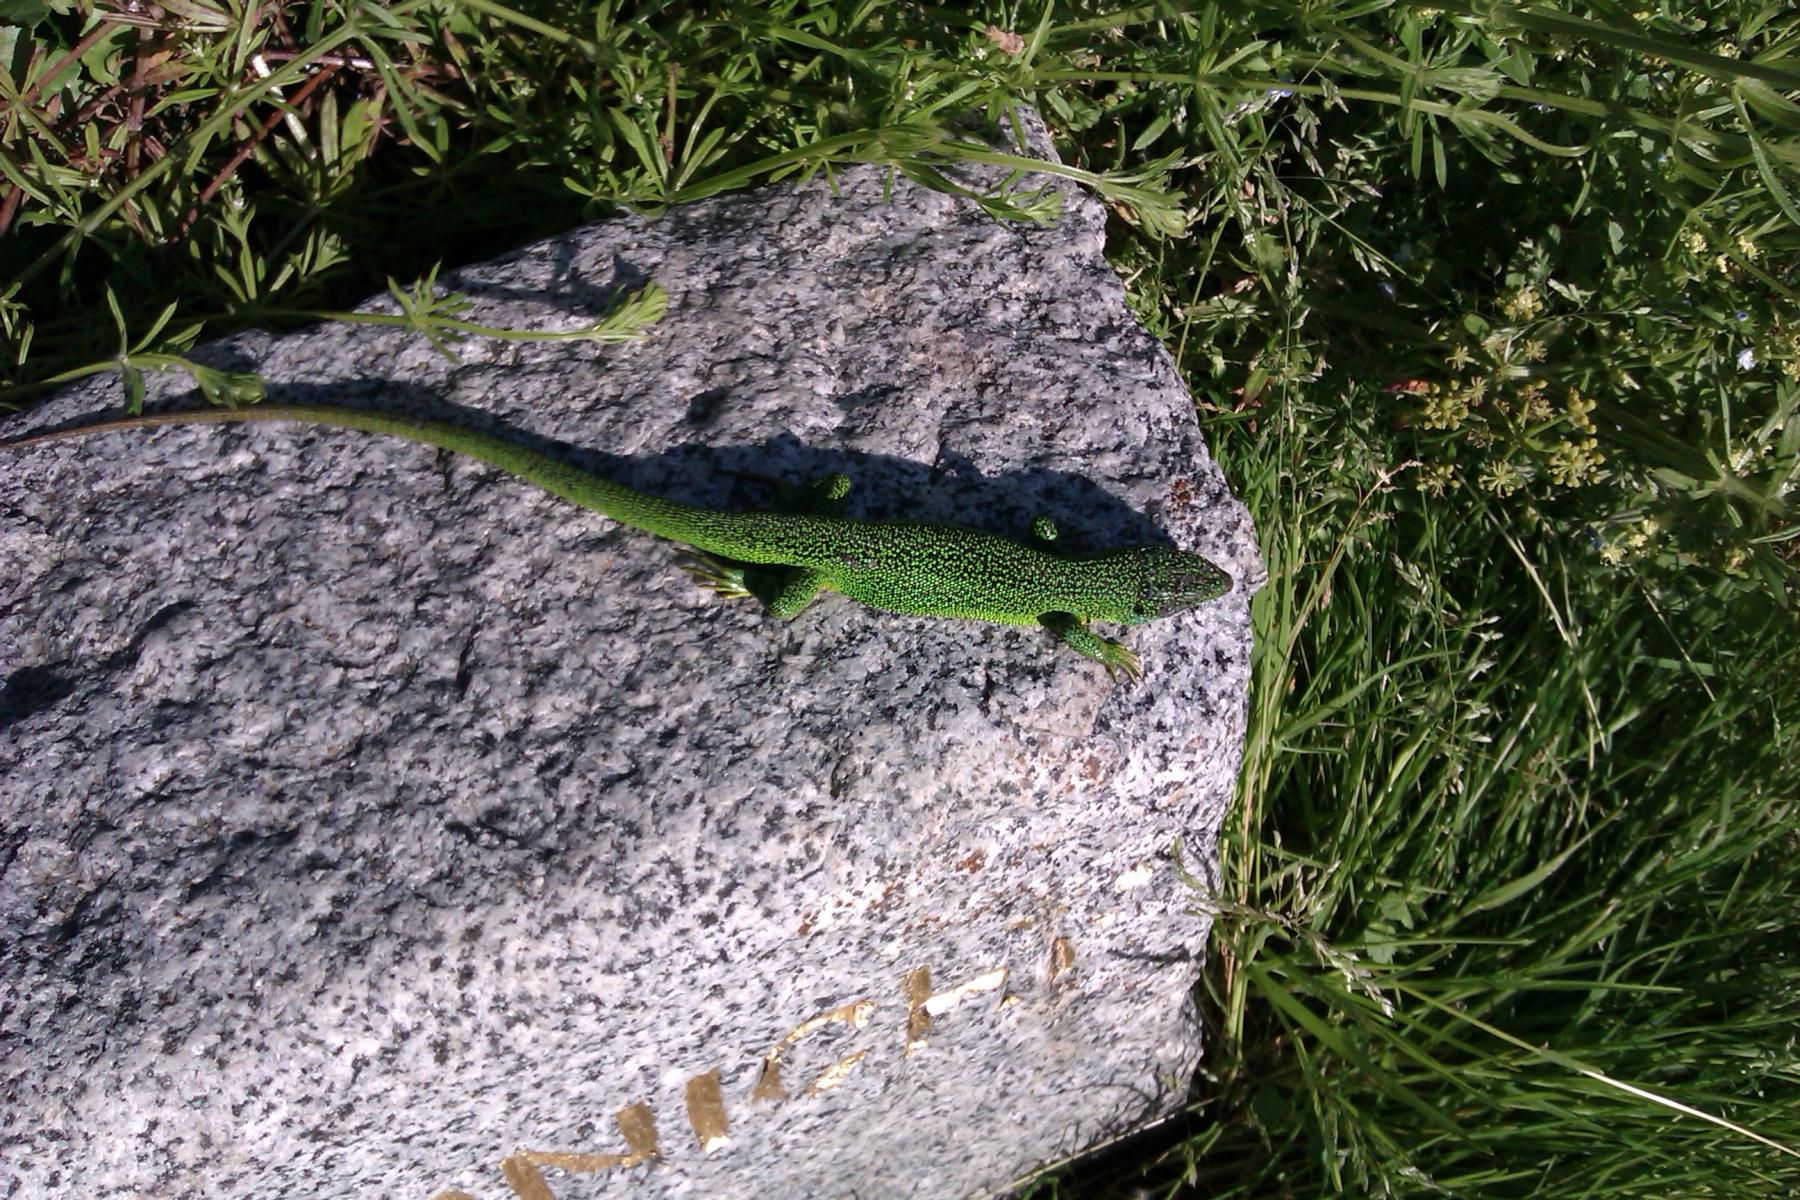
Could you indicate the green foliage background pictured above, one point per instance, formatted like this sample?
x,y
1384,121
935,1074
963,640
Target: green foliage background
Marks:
x,y
1490,313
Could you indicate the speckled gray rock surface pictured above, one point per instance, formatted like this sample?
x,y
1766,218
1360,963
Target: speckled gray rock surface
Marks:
x,y
368,816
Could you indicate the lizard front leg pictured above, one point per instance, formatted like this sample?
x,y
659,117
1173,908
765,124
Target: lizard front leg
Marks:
x,y
1116,657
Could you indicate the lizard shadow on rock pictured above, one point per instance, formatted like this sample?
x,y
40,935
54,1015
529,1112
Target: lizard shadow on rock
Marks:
x,y
41,686
883,487
739,476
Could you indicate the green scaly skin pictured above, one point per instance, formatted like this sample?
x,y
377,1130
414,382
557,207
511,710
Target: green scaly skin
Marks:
x,y
784,559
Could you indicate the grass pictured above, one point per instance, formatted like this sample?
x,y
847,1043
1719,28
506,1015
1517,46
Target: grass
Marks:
x,y
1490,312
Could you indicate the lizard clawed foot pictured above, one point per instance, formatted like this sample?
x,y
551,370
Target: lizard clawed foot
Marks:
x,y
716,575
1118,660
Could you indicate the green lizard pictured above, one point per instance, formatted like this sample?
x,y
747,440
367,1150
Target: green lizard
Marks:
x,y
784,559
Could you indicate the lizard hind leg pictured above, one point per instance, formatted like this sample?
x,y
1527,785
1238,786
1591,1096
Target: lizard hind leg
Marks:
x,y
782,591
797,587
823,496
1116,657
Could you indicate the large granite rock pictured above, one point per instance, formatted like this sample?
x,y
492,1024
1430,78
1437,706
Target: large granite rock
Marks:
x,y
372,823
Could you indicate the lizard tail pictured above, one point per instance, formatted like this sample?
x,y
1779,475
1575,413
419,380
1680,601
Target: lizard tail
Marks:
x,y
705,528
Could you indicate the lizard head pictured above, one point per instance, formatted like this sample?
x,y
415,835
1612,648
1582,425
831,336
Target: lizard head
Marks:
x,y
1168,581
